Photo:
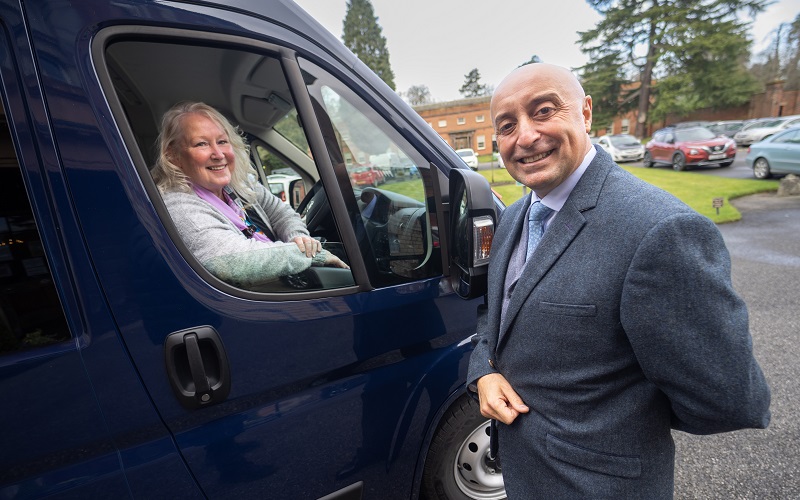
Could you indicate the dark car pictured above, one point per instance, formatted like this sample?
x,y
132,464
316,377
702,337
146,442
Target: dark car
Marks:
x,y
777,154
727,128
687,147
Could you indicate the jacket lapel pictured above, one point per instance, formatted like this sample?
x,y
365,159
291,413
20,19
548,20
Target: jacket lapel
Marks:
x,y
503,245
563,229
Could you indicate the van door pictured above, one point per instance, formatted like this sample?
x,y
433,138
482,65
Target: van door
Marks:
x,y
75,420
306,387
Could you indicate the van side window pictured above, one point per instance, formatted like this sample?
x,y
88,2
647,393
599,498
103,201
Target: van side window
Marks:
x,y
250,89
391,182
30,311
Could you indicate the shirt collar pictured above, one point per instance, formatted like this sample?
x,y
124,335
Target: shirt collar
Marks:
x,y
556,198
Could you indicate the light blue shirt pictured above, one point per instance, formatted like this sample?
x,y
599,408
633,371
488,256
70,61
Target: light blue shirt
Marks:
x,y
556,198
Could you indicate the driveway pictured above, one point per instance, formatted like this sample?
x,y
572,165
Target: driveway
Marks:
x,y
757,464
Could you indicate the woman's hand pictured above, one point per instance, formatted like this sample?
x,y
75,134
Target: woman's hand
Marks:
x,y
335,261
308,245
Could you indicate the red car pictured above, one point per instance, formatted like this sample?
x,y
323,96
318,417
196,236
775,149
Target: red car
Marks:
x,y
687,147
366,176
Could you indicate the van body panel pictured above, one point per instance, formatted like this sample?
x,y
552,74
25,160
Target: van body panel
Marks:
x,y
327,390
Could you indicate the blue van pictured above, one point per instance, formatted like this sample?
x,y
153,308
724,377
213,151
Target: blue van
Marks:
x,y
127,369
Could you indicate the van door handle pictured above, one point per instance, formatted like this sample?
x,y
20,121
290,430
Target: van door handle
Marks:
x,y
197,367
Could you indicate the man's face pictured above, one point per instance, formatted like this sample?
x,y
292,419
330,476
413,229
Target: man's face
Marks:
x,y
541,118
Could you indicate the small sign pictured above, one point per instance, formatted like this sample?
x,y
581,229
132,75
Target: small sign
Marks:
x,y
717,203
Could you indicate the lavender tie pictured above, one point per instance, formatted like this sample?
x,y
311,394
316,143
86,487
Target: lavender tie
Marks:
x,y
536,218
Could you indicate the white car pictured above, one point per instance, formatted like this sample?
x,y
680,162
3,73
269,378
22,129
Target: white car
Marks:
x,y
469,157
279,185
762,130
622,147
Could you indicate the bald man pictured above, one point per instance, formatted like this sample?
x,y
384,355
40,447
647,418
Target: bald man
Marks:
x,y
620,326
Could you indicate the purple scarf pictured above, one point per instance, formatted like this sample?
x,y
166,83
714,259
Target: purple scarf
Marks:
x,y
229,209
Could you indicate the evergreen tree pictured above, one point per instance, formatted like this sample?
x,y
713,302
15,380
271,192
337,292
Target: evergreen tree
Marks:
x,y
695,49
418,95
612,94
472,86
364,37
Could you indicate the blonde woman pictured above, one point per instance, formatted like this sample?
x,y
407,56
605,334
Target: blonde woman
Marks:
x,y
205,176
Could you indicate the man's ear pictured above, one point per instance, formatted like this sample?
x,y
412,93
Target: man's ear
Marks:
x,y
587,113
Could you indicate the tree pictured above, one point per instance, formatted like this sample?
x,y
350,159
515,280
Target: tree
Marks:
x,y
418,95
363,36
792,68
472,86
698,47
781,59
612,93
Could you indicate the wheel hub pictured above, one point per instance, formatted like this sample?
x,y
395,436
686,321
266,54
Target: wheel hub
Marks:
x,y
477,475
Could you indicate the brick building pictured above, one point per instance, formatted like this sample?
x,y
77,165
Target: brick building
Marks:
x,y
464,123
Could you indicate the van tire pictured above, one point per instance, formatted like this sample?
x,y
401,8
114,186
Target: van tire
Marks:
x,y
463,433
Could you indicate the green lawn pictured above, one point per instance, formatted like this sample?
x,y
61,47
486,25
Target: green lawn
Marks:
x,y
696,190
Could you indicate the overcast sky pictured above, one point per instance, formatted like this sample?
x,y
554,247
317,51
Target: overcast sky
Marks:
x,y
438,42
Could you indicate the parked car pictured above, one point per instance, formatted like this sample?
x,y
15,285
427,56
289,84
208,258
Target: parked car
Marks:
x,y
128,369
777,154
366,175
622,147
469,157
687,147
727,128
692,124
281,186
763,129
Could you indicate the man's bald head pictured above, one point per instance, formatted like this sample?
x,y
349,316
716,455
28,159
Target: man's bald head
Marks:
x,y
541,117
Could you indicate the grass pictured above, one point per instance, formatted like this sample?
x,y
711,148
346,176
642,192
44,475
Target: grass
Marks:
x,y
696,190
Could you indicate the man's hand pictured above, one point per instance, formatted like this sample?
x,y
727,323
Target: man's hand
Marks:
x,y
498,400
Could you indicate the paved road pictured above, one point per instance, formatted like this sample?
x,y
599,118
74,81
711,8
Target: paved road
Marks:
x,y
758,464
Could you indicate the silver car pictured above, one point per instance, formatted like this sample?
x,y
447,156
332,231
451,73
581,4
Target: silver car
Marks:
x,y
622,147
760,131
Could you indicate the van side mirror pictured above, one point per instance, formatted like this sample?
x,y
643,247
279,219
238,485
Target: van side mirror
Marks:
x,y
297,191
472,222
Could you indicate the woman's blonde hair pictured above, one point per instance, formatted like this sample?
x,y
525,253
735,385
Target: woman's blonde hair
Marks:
x,y
169,176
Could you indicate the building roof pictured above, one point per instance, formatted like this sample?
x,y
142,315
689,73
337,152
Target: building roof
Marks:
x,y
452,104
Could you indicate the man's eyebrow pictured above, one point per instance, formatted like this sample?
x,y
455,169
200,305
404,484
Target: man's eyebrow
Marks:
x,y
548,97
537,101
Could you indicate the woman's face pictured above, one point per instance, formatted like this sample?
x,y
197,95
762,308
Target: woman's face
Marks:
x,y
205,154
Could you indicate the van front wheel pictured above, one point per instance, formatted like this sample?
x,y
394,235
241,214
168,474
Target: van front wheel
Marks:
x,y
457,466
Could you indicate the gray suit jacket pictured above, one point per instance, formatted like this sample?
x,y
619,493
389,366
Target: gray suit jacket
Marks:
x,y
623,325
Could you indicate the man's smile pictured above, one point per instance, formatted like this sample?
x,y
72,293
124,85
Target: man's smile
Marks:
x,y
540,156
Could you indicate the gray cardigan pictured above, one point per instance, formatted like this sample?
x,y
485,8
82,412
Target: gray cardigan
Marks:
x,y
227,253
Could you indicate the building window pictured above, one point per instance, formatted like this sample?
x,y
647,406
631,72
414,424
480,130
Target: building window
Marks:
x,y
442,123
481,142
479,119
624,129
461,120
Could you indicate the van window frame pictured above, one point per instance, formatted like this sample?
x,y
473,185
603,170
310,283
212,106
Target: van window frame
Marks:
x,y
288,61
